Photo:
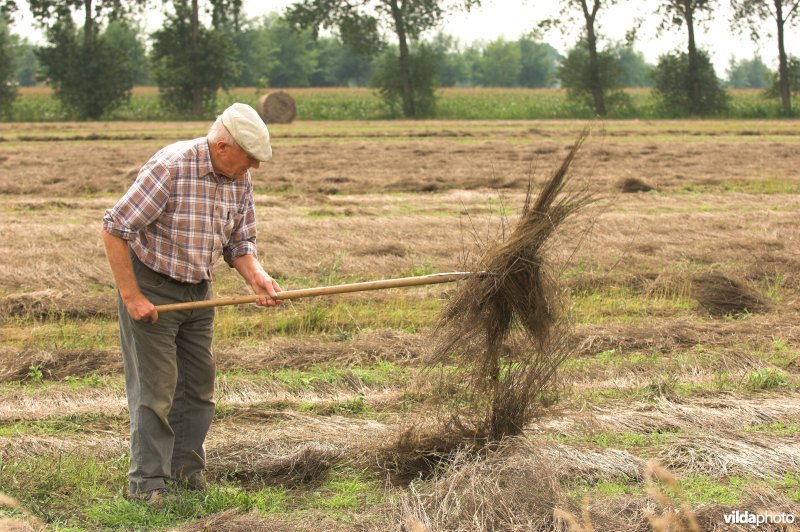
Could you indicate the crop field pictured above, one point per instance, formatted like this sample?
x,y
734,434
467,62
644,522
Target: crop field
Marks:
x,y
669,413
37,104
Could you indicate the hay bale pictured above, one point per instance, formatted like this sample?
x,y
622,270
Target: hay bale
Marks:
x,y
634,184
277,108
721,295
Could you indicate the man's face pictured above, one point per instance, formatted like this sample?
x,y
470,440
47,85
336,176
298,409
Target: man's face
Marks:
x,y
234,161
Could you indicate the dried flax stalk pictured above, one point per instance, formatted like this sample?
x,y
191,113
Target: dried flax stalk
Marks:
x,y
505,327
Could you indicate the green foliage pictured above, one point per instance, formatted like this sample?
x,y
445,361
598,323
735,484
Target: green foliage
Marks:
x,y
634,70
766,379
453,64
8,89
793,67
388,81
501,64
362,26
35,373
185,77
340,66
125,38
682,94
576,76
26,61
274,55
748,74
90,74
538,63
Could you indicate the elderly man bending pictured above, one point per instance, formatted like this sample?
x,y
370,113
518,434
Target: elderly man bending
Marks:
x,y
191,203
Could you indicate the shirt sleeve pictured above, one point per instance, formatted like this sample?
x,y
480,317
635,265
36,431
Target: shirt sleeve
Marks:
x,y
243,237
142,203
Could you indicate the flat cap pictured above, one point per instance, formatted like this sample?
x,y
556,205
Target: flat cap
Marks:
x,y
248,130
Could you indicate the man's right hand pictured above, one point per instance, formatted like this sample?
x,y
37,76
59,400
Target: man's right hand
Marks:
x,y
141,309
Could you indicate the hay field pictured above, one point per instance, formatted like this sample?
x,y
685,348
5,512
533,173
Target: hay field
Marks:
x,y
315,398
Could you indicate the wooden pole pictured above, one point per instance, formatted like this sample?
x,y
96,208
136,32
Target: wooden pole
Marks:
x,y
322,291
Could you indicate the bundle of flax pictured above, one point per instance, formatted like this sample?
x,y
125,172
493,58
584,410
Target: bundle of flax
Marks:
x,y
504,327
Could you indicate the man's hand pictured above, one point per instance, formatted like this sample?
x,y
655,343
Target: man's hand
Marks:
x,y
141,309
264,284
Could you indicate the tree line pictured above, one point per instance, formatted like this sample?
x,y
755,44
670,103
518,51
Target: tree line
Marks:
x,y
205,46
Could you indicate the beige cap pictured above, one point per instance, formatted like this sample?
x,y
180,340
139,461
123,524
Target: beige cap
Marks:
x,y
248,130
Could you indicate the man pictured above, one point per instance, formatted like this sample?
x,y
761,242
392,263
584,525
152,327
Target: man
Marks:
x,y
191,203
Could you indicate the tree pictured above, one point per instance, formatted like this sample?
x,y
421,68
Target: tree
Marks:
x,y
501,63
338,65
363,24
673,78
8,89
290,55
26,61
748,73
634,70
125,37
192,62
783,13
582,81
89,74
594,76
453,68
701,86
538,63
423,64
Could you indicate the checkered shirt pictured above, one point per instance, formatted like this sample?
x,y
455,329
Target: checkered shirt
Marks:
x,y
179,216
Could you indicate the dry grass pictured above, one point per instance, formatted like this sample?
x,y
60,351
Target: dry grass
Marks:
x,y
722,295
325,215
511,488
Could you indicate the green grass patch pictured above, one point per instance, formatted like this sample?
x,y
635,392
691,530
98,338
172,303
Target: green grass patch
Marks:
x,y
72,424
703,489
76,491
340,319
346,490
778,429
626,439
619,304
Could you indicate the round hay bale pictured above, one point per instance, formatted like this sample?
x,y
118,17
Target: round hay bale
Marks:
x,y
277,108
721,295
634,184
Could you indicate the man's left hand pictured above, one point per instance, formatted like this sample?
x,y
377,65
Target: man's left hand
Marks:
x,y
266,285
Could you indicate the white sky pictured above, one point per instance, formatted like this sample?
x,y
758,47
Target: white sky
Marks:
x,y
512,18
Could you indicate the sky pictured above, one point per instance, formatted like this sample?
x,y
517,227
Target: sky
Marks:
x,y
510,19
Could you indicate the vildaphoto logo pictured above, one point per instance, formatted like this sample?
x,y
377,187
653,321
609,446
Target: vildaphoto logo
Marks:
x,y
765,518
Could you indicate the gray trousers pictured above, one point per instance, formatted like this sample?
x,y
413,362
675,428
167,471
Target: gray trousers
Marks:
x,y
169,380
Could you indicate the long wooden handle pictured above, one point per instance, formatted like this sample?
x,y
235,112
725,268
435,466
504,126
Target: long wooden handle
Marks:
x,y
323,291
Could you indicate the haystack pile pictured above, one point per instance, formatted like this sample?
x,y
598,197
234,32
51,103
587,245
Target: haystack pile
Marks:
x,y
722,295
277,108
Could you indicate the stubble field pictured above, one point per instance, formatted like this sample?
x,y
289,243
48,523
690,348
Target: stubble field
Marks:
x,y
313,397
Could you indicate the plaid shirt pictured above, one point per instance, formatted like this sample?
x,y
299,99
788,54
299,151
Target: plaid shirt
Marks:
x,y
179,216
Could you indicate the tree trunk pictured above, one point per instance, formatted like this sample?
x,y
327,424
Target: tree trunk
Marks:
x,y
594,63
406,85
695,104
783,63
197,95
88,25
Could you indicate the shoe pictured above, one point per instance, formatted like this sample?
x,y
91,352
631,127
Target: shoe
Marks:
x,y
194,482
155,498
